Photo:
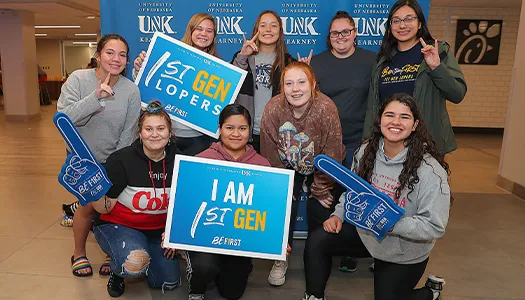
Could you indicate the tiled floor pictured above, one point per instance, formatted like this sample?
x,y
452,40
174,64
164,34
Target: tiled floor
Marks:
x,y
481,255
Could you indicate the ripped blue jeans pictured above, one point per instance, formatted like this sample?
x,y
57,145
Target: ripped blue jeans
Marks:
x,y
134,254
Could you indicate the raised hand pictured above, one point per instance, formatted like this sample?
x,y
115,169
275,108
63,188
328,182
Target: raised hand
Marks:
x,y
103,89
305,59
137,64
430,54
249,46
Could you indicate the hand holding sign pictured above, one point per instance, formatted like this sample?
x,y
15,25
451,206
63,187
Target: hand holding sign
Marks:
x,y
81,174
365,207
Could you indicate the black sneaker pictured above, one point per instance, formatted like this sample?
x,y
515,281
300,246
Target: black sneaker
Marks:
x,y
348,264
69,209
116,285
435,283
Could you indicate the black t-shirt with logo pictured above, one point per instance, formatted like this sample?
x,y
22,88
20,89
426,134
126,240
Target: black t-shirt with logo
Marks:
x,y
399,76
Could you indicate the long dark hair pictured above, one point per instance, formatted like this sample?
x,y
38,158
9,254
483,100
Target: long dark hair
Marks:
x,y
418,143
389,41
108,37
280,46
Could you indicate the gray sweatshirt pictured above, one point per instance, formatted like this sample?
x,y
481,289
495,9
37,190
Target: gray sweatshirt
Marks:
x,y
426,209
108,124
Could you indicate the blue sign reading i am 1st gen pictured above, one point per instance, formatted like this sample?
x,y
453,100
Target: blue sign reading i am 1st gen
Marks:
x,y
229,208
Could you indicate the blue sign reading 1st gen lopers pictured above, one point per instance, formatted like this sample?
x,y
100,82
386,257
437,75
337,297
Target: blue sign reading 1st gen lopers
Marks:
x,y
192,85
229,208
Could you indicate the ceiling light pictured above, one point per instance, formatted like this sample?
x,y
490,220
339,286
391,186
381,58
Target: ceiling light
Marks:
x,y
40,34
83,43
85,34
56,26
91,17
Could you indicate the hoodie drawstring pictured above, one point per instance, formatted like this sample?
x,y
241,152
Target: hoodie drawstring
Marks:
x,y
164,175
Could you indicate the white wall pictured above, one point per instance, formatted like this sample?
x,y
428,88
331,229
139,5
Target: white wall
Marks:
x,y
485,104
48,57
512,163
76,57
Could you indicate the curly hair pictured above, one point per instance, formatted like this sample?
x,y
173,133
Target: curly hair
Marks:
x,y
418,143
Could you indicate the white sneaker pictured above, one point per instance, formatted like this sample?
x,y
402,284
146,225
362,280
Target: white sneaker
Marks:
x,y
196,297
311,297
277,275
435,283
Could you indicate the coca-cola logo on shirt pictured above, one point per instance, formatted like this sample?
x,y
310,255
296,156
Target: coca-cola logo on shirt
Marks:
x,y
143,201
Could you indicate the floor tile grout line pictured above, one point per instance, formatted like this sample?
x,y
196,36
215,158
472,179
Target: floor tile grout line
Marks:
x,y
31,239
479,150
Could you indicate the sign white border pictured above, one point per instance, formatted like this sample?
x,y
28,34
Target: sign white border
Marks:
x,y
241,166
157,35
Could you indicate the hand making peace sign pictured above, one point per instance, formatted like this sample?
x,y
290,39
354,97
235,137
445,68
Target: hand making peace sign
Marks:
x,y
249,46
103,89
431,54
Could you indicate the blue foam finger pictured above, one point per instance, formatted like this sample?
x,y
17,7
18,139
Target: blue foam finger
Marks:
x,y
365,207
82,175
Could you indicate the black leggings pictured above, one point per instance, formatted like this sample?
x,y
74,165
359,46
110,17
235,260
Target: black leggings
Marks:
x,y
315,212
230,273
391,281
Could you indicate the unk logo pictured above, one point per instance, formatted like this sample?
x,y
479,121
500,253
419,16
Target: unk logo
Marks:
x,y
229,25
152,24
299,25
374,27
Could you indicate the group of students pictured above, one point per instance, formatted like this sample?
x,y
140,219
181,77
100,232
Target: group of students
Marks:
x,y
288,111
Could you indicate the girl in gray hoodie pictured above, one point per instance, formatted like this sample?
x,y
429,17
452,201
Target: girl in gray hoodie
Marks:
x,y
401,160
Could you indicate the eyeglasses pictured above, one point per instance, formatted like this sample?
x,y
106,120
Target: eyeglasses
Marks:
x,y
396,22
343,33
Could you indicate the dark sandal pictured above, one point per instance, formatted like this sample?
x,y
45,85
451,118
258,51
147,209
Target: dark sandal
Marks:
x,y
105,264
79,264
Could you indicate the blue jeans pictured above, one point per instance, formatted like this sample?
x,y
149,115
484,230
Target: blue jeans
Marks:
x,y
134,254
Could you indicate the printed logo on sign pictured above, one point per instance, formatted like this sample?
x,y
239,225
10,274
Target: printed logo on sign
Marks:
x,y
370,21
247,219
157,21
209,85
299,27
152,24
229,25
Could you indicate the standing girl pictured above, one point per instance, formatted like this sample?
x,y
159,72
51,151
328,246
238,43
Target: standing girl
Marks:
x,y
410,61
264,56
104,106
